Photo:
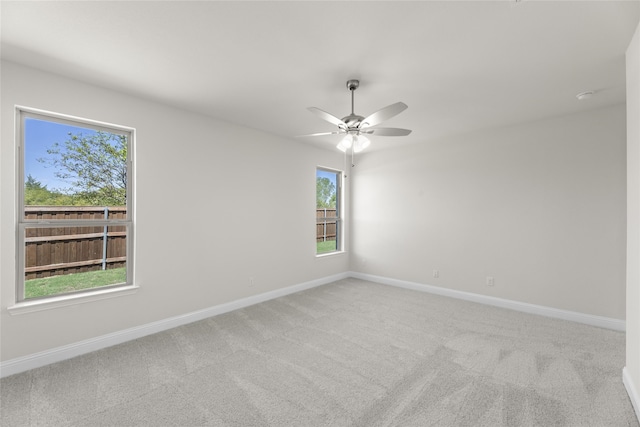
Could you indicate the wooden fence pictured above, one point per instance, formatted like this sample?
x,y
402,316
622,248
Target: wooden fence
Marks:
x,y
56,250
60,249
325,224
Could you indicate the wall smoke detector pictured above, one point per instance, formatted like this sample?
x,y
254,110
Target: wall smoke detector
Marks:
x,y
585,95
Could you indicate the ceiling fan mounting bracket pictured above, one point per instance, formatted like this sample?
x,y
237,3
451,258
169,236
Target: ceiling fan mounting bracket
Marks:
x,y
353,84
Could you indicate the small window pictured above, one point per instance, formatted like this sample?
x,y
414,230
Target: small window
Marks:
x,y
75,216
328,211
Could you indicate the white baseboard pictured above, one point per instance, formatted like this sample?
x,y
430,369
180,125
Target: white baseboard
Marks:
x,y
58,354
588,319
36,360
632,391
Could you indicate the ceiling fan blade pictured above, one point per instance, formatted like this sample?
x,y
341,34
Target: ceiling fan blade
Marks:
x,y
328,117
321,134
386,131
384,114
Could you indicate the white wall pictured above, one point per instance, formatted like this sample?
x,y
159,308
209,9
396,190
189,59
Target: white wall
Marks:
x,y
538,206
206,192
632,367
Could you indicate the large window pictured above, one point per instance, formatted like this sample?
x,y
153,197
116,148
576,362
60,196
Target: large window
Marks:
x,y
74,205
328,211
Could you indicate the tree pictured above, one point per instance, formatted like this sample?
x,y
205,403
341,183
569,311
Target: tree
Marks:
x,y
325,193
94,165
33,184
36,194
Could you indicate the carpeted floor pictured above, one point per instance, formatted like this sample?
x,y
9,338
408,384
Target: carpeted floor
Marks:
x,y
351,353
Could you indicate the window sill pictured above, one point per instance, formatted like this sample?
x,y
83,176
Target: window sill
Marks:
x,y
67,300
329,254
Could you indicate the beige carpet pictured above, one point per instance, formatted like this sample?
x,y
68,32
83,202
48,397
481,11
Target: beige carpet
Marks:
x,y
352,353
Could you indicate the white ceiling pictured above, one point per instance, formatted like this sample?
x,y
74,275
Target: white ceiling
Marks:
x,y
459,66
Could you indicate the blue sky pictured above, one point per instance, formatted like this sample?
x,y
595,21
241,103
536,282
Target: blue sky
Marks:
x,y
39,136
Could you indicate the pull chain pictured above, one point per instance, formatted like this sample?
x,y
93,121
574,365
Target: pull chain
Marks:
x,y
353,165
345,164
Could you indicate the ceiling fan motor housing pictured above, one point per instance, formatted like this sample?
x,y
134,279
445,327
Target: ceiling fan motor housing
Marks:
x,y
352,121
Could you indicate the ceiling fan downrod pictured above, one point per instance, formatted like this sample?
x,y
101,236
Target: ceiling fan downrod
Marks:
x,y
352,85
353,120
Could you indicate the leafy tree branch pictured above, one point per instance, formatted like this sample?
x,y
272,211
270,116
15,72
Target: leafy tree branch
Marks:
x,y
325,193
94,165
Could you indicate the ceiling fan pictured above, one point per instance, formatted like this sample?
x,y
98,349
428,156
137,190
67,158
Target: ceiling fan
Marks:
x,y
355,127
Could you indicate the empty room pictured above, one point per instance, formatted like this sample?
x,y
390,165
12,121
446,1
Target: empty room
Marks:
x,y
320,213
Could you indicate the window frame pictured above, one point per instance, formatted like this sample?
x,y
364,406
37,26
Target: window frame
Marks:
x,y
339,214
22,224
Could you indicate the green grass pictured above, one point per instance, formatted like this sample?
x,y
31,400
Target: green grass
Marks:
x,y
55,285
324,247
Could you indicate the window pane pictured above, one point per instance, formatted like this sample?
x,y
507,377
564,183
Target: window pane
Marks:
x,y
67,165
327,210
61,260
325,237
75,229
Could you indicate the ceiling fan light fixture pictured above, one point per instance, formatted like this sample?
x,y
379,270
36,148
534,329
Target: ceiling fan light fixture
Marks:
x,y
345,143
360,143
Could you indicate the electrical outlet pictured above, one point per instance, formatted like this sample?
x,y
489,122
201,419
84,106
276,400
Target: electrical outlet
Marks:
x,y
490,281
436,274
251,282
